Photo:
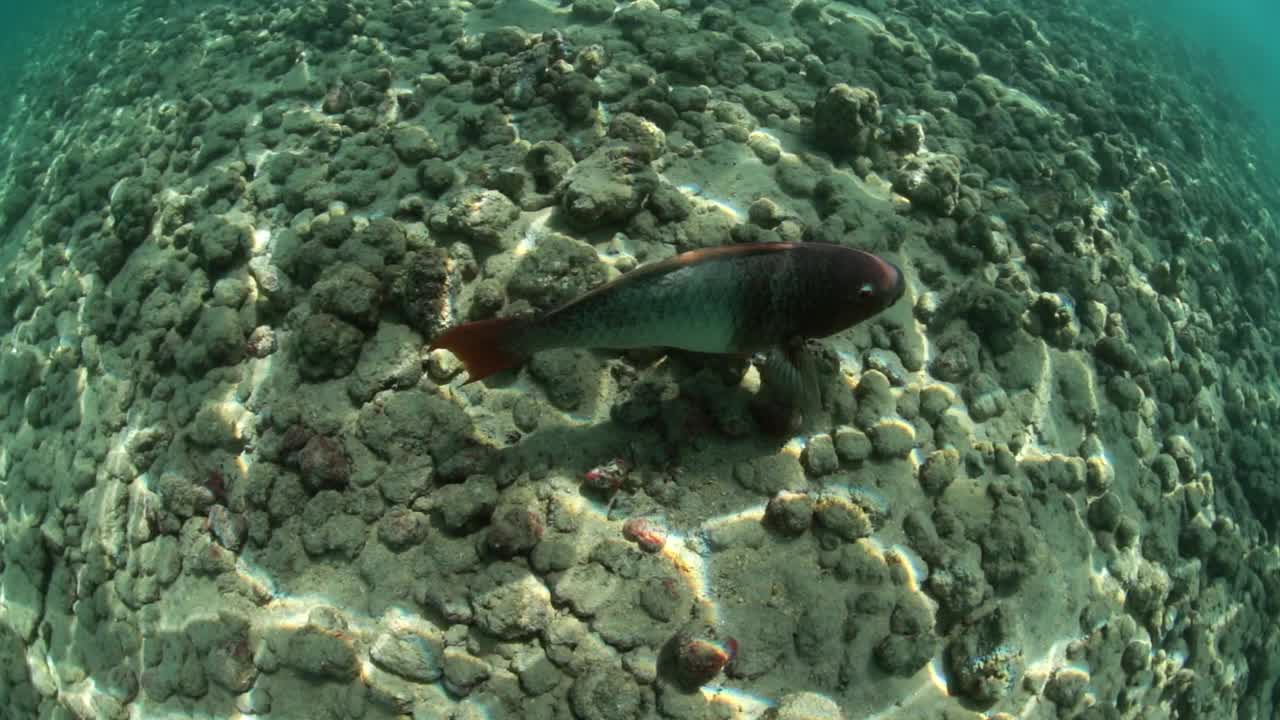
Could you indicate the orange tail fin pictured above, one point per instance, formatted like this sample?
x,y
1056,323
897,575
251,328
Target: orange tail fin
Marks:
x,y
481,346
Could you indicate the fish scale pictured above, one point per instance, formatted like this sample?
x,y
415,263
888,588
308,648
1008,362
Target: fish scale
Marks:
x,y
694,308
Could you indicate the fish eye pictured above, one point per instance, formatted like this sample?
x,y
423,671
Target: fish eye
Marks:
x,y
866,292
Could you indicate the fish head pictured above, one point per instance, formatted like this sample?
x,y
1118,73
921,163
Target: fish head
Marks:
x,y
865,285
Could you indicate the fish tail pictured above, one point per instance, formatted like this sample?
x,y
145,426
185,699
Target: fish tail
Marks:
x,y
483,346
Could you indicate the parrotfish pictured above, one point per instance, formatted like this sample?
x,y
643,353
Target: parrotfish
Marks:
x,y
734,299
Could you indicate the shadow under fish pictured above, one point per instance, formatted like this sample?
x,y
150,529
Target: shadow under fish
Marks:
x,y
763,299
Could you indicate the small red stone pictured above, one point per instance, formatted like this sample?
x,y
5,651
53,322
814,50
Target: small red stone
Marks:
x,y
698,661
645,533
608,476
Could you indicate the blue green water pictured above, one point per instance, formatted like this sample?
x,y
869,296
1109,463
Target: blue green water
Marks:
x,y
25,28
1239,37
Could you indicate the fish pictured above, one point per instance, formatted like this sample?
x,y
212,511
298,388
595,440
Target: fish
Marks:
x,y
733,299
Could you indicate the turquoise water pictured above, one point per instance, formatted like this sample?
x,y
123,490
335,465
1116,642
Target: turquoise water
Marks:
x,y
1239,38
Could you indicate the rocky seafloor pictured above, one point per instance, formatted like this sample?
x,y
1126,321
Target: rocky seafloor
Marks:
x,y
234,482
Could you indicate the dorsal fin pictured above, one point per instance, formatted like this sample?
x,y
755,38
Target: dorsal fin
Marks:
x,y
693,257
686,259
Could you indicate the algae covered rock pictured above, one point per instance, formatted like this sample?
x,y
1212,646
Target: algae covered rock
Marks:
x,y
321,653
413,144
931,182
1119,353
464,671
1011,547
20,368
418,288
219,243
324,462
380,243
805,706
608,186
409,653
390,359
903,655
174,667
983,660
958,586
892,438
819,455
226,650
402,528
327,527
25,574
986,398
846,118
407,425
606,692
468,504
436,176
514,531
24,180
349,292
951,55
549,162
509,603
939,469
852,445
576,95
646,139
559,269
218,339
327,347
132,207
956,357
789,513
480,216
593,11
875,399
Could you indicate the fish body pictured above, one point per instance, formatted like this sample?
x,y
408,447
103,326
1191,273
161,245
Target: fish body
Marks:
x,y
731,299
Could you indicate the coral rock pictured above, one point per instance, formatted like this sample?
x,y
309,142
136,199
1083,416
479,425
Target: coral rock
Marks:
x,y
327,347
480,216
324,463
515,532
847,118
790,513
608,186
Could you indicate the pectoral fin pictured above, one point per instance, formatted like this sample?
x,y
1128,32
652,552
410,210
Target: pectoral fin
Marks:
x,y
789,386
